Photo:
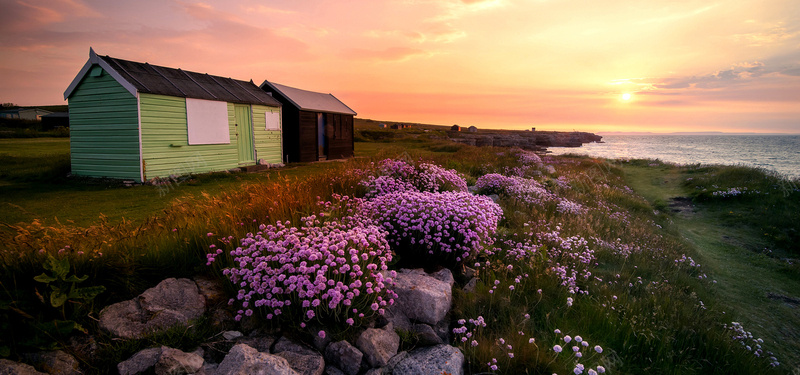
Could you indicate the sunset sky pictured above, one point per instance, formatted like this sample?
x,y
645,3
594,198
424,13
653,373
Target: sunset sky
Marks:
x,y
726,65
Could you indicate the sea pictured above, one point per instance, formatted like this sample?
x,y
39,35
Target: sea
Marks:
x,y
778,153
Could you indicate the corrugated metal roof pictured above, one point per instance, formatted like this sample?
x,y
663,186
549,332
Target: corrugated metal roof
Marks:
x,y
310,100
154,79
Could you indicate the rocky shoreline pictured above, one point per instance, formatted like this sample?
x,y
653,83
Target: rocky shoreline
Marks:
x,y
526,140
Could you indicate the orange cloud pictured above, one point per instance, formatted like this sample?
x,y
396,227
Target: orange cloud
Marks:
x,y
387,54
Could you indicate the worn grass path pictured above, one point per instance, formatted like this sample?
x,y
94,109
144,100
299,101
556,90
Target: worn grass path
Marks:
x,y
758,290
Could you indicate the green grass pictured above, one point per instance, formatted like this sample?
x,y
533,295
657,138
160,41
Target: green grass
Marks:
x,y
727,237
645,311
34,186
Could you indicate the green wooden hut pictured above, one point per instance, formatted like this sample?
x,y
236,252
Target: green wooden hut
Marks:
x,y
138,121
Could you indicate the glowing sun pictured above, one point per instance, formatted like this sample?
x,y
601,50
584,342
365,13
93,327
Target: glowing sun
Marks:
x,y
626,96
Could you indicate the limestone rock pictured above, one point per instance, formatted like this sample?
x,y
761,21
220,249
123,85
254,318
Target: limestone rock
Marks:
x,y
421,297
231,335
244,360
285,345
56,362
208,369
178,295
432,360
260,343
444,275
471,285
397,318
139,362
211,289
426,335
442,329
344,356
379,345
171,302
470,273
304,364
389,368
8,367
177,362
332,370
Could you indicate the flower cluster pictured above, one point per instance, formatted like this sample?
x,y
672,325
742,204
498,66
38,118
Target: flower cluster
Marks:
x,y
570,257
566,206
449,227
733,192
494,183
397,175
582,350
529,158
527,190
749,342
464,334
381,185
617,247
318,271
434,178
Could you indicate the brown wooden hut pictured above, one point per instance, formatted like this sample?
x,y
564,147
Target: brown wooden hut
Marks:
x,y
316,126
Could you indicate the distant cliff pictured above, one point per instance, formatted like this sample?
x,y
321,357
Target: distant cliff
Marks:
x,y
528,140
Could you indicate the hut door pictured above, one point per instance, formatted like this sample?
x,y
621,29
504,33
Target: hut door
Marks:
x,y
322,137
244,133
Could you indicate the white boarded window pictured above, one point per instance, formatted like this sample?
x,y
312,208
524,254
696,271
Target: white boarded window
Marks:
x,y
207,122
273,120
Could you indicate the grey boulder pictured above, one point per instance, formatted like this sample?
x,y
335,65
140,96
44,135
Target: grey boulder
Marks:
x,y
437,359
379,345
423,297
244,360
171,302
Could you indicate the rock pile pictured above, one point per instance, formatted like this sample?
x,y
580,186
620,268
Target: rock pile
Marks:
x,y
421,309
533,141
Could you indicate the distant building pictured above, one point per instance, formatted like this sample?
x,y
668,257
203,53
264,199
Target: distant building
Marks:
x,y
55,120
25,113
472,129
533,129
316,126
455,128
382,126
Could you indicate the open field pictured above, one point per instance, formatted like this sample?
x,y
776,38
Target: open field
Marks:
x,y
584,248
757,274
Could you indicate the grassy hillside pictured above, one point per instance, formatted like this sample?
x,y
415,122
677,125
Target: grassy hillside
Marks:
x,y
585,248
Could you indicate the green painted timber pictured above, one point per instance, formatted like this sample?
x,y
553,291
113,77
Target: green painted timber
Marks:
x,y
104,135
268,143
165,147
244,133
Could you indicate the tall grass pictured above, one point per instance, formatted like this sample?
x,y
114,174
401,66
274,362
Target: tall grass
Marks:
x,y
751,197
647,306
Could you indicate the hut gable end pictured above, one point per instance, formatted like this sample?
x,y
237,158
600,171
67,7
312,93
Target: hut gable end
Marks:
x,y
317,126
139,121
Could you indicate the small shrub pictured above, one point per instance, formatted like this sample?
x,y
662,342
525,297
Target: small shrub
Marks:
x,y
397,175
447,228
313,274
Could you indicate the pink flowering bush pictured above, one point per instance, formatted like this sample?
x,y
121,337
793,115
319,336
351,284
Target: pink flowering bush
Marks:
x,y
494,183
566,206
447,228
529,158
397,175
526,190
434,178
314,273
